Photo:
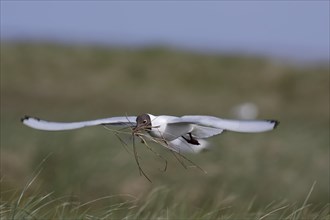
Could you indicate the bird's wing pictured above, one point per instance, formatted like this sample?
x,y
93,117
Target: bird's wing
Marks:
x,y
176,127
200,131
59,126
206,126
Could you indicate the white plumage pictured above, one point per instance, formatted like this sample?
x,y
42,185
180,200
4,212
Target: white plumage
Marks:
x,y
181,134
39,124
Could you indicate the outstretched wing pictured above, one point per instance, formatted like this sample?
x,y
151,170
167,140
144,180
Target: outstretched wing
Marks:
x,y
37,123
206,126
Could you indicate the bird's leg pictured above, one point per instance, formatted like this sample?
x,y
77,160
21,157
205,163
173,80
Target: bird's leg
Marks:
x,y
191,140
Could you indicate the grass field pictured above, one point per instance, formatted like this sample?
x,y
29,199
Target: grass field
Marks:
x,y
88,174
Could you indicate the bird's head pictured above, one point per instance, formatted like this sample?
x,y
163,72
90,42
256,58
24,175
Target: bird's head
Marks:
x,y
143,122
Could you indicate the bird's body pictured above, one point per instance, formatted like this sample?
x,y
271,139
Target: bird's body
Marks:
x,y
180,134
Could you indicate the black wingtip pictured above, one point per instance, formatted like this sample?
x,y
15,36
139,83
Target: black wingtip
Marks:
x,y
276,123
26,117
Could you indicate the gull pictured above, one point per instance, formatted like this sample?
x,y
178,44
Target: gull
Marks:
x,y
179,134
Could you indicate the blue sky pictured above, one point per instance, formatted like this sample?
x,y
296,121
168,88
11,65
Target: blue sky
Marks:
x,y
296,29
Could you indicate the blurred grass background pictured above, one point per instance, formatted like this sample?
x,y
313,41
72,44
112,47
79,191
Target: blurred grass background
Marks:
x,y
73,83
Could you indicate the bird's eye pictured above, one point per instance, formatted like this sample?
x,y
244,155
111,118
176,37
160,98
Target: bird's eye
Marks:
x,y
144,122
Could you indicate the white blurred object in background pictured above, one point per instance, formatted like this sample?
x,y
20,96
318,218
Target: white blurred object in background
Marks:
x,y
247,111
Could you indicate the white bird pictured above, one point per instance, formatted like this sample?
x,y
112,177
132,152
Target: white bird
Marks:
x,y
180,134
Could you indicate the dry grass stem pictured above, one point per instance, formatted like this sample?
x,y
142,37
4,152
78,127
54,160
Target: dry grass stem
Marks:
x,y
139,132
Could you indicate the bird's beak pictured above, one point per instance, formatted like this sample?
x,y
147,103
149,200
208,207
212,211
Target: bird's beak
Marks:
x,y
140,127
137,128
